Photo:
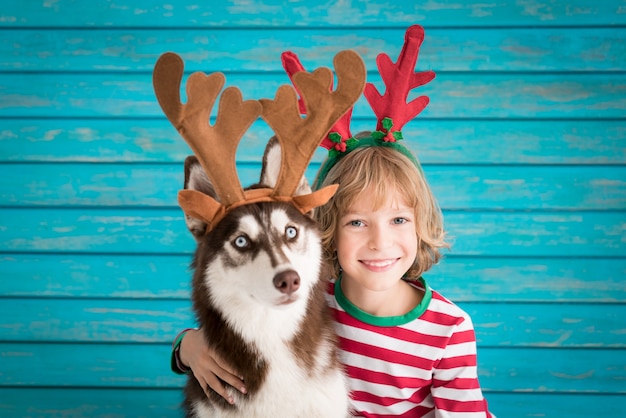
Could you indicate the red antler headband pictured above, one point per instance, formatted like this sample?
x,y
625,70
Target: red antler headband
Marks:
x,y
391,109
341,129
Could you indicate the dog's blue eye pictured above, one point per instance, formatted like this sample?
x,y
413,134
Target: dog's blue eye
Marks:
x,y
241,241
291,232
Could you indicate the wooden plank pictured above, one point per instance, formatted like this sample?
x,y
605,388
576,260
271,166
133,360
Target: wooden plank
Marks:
x,y
461,279
94,320
552,370
147,403
528,187
456,187
522,279
555,405
147,365
578,142
557,325
259,49
91,365
90,403
95,276
263,13
548,325
155,230
546,234
453,95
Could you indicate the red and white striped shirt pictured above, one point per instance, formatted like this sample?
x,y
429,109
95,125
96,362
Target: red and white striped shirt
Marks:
x,y
421,364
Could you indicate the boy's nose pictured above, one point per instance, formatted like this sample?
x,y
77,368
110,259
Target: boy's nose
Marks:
x,y
379,238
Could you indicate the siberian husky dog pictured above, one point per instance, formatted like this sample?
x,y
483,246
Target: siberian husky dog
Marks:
x,y
258,295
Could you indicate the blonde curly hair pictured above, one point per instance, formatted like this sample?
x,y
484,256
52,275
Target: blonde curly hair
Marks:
x,y
383,172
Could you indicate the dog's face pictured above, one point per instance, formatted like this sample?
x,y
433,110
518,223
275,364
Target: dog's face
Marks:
x,y
265,254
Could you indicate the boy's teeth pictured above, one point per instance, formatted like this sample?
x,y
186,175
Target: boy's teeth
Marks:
x,y
379,263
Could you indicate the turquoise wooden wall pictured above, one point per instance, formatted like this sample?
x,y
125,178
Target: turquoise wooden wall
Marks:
x,y
524,143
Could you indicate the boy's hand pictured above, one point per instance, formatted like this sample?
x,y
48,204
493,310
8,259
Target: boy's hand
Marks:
x,y
207,367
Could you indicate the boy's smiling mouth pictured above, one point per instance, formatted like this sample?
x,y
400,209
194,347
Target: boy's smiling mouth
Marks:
x,y
379,264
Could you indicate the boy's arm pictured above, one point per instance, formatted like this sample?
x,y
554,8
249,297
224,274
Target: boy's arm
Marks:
x,y
191,354
456,390
175,362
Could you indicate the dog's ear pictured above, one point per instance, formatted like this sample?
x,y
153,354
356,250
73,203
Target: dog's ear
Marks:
x,y
197,179
271,168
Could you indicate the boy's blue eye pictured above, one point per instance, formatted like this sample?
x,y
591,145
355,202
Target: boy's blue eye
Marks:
x,y
356,223
399,220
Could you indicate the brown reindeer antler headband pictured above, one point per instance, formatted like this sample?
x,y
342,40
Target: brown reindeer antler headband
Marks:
x,y
215,146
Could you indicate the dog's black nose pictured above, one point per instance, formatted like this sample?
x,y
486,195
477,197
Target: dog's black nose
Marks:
x,y
287,281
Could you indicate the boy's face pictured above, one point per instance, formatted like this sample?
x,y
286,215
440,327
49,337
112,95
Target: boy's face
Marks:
x,y
375,248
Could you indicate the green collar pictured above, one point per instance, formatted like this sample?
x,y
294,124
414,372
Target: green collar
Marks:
x,y
383,321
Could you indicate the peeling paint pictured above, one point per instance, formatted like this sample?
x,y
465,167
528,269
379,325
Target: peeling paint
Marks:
x,y
581,376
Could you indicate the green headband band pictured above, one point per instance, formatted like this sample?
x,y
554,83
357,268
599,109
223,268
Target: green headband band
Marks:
x,y
374,140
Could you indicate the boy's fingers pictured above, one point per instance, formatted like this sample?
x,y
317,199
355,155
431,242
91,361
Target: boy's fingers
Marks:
x,y
214,384
233,380
226,368
226,373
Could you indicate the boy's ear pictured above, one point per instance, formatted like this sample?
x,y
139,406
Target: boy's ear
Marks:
x,y
271,168
197,179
